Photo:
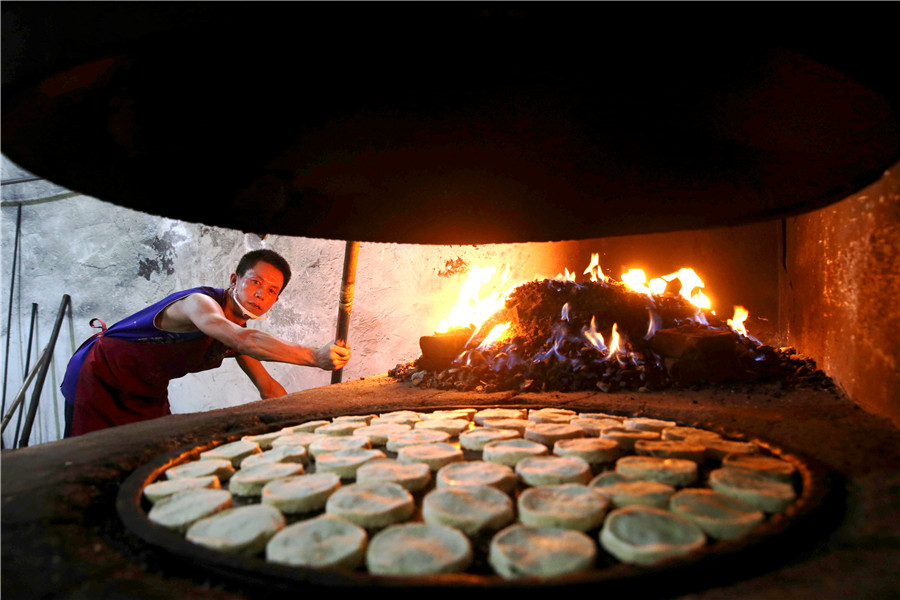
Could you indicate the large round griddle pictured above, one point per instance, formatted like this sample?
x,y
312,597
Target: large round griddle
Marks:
x,y
772,543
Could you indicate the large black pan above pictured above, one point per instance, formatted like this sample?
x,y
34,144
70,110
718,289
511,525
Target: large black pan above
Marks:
x,y
458,123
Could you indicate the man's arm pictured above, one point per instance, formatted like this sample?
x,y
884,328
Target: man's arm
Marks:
x,y
206,315
268,387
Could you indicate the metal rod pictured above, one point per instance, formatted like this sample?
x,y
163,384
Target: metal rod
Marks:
x,y
34,309
348,284
20,180
36,394
20,396
12,289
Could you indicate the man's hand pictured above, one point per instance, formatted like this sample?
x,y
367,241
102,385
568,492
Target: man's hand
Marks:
x,y
332,356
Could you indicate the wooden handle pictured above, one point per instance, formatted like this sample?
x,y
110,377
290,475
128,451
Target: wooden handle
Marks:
x,y
348,284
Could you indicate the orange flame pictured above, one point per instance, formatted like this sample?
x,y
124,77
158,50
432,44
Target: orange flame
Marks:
x,y
594,269
737,322
690,282
495,335
471,308
636,280
614,341
594,337
567,276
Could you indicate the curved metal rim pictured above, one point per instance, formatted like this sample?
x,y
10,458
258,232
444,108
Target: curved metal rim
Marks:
x,y
718,559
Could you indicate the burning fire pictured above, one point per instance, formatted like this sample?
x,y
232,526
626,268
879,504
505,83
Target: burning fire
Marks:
x,y
481,299
568,334
737,322
472,308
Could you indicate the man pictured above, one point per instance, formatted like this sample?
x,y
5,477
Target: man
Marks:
x,y
121,374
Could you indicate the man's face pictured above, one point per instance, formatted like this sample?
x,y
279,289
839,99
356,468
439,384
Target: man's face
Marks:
x,y
258,288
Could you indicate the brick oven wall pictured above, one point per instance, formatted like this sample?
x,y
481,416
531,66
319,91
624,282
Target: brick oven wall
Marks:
x,y
839,292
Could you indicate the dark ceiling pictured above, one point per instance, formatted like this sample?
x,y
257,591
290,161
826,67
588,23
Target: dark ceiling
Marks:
x,y
453,123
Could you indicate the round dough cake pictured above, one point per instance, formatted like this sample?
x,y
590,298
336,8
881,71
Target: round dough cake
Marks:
x,y
434,455
325,541
345,463
594,451
684,449
627,492
477,438
220,467
307,427
551,470
340,428
645,535
499,413
160,490
677,472
364,419
329,444
567,506
418,549
180,511
719,449
478,472
518,425
761,491
244,529
601,416
452,427
720,516
300,438
473,509
694,434
412,476
410,417
551,415
522,551
300,494
465,414
776,468
263,440
415,437
549,433
285,454
378,434
647,424
626,438
250,481
595,427
233,451
371,505
510,452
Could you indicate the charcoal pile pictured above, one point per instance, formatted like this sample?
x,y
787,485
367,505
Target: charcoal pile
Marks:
x,y
566,336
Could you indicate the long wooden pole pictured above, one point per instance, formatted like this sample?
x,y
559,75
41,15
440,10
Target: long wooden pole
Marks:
x,y
39,384
348,285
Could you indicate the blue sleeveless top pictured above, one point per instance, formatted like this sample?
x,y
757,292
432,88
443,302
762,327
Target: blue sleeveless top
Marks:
x,y
138,327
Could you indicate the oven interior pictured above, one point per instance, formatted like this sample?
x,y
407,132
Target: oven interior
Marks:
x,y
493,125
